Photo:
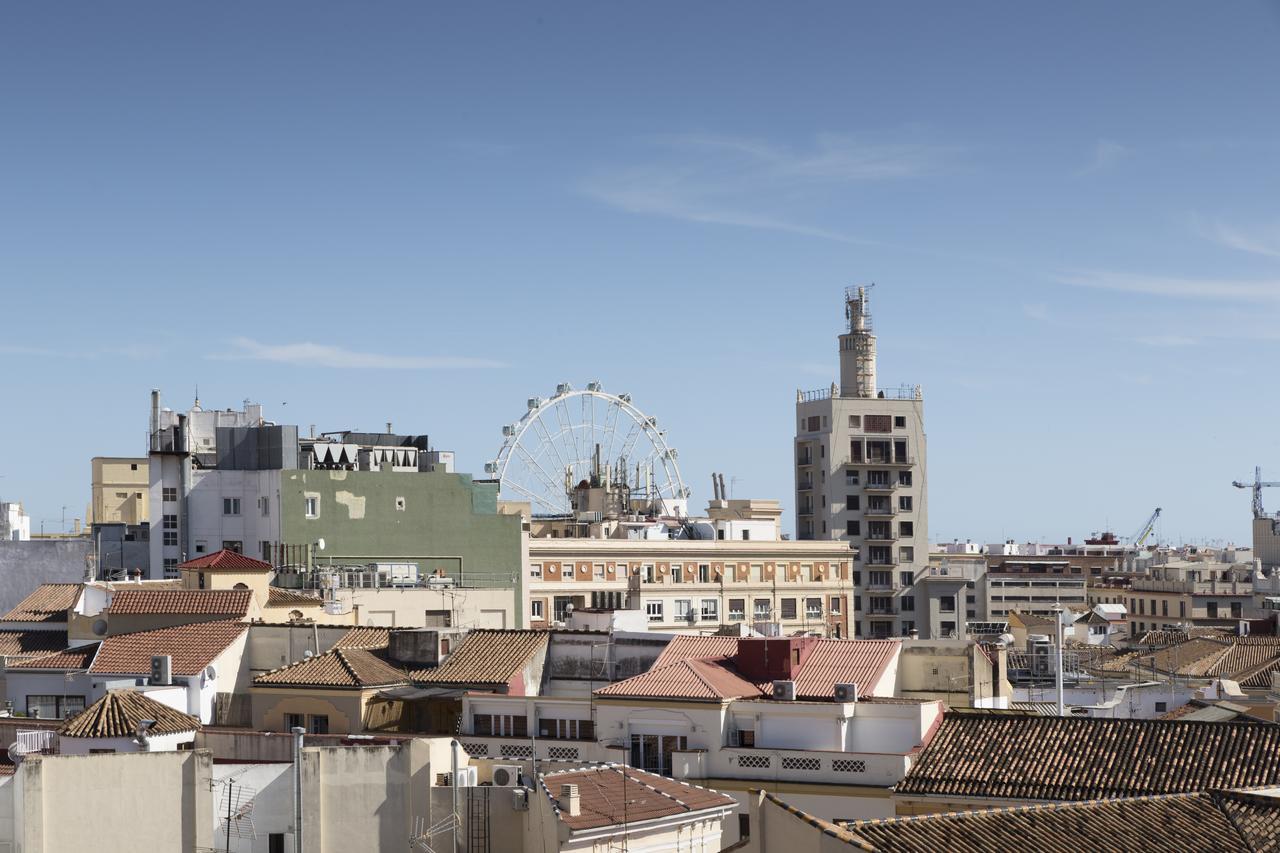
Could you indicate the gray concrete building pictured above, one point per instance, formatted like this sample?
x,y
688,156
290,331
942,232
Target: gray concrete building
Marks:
x,y
860,463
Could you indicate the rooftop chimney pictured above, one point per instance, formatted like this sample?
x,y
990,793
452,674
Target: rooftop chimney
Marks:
x,y
570,802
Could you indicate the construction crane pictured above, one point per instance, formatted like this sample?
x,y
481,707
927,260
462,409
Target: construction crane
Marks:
x,y
1257,485
1145,531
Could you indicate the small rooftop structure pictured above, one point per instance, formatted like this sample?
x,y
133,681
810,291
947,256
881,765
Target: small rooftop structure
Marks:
x,y
228,603
192,648
487,658
119,714
49,602
337,668
225,560
614,795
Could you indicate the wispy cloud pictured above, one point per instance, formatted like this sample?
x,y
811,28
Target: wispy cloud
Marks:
x,y
1038,311
754,184
1106,154
308,354
1210,289
1166,340
1259,239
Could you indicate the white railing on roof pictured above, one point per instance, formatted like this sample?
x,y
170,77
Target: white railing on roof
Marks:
x,y
37,740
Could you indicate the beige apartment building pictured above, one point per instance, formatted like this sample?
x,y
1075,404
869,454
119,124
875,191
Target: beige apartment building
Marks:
x,y
120,491
860,462
696,584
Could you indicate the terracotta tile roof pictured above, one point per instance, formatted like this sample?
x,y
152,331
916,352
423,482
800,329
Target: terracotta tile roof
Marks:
x,y
118,713
486,656
225,560
192,647
830,662
1250,660
364,638
213,602
342,668
1196,823
48,603
611,795
1172,638
277,597
699,679
1073,758
76,658
25,643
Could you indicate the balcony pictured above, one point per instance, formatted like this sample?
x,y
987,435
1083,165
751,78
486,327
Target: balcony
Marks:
x,y
880,488
882,561
805,485
791,765
881,511
878,461
804,459
881,612
891,586
880,537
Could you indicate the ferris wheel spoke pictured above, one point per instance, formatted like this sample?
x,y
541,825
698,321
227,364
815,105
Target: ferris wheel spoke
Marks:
x,y
566,426
633,435
554,447
533,498
537,468
611,429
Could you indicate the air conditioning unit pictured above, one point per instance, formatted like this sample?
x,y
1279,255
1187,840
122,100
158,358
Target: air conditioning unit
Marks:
x,y
846,693
520,800
465,777
161,669
506,775
784,689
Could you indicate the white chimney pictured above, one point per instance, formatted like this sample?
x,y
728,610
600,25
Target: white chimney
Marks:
x,y
570,802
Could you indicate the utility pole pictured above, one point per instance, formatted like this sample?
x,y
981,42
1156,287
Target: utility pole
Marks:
x,y
1057,675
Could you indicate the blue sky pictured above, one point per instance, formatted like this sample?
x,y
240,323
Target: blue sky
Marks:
x,y
425,213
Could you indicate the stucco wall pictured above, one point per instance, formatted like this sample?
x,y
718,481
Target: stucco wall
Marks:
x,y
108,803
26,565
344,708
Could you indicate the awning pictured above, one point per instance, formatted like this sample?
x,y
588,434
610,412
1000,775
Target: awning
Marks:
x,y
412,693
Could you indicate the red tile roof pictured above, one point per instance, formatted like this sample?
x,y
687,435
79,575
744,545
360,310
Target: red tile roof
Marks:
x,y
25,643
186,602
687,679
830,662
192,647
77,658
226,560
343,668
613,796
278,597
487,656
364,638
118,713
49,602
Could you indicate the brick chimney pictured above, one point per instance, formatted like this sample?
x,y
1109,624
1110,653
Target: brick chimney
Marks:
x,y
769,658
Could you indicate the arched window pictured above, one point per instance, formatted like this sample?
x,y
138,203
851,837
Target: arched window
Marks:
x,y
295,615
240,586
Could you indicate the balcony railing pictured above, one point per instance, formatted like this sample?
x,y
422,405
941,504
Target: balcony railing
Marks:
x,y
876,459
875,537
880,510
880,487
791,765
882,611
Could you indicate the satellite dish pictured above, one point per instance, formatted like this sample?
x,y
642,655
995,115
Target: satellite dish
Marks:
x,y
17,751
99,627
211,672
320,544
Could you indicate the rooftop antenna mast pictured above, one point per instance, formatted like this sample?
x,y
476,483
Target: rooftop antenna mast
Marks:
x,y
858,345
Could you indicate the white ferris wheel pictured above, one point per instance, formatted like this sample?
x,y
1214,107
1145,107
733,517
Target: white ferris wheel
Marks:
x,y
576,435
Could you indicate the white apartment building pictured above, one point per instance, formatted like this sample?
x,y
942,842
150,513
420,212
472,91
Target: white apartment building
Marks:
x,y
15,524
860,462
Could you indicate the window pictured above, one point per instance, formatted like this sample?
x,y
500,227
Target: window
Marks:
x,y
170,526
744,737
746,534
230,506
788,608
851,503
855,421
908,603
654,752
312,506
1236,610
1182,610
566,729
851,478
853,528
275,842
1162,707
857,578
677,573
294,721
948,629
266,551
760,608
906,554
1164,607
650,574
502,725
877,423
535,570
711,608
170,567
947,603
906,578
561,606
899,422
904,503
535,610
654,610
53,707
683,610
704,573
201,546
264,504
835,605
233,545
813,608
908,626
904,478
880,578
906,528
737,609
170,494
813,424
857,603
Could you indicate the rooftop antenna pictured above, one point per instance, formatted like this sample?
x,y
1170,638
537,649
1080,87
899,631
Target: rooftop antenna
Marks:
x,y
858,345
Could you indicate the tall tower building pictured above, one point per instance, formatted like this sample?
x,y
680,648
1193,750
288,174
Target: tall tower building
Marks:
x,y
861,477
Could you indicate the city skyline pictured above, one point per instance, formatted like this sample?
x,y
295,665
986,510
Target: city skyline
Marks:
x,y
446,214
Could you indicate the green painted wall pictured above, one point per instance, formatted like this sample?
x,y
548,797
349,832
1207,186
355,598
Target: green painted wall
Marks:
x,y
447,522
